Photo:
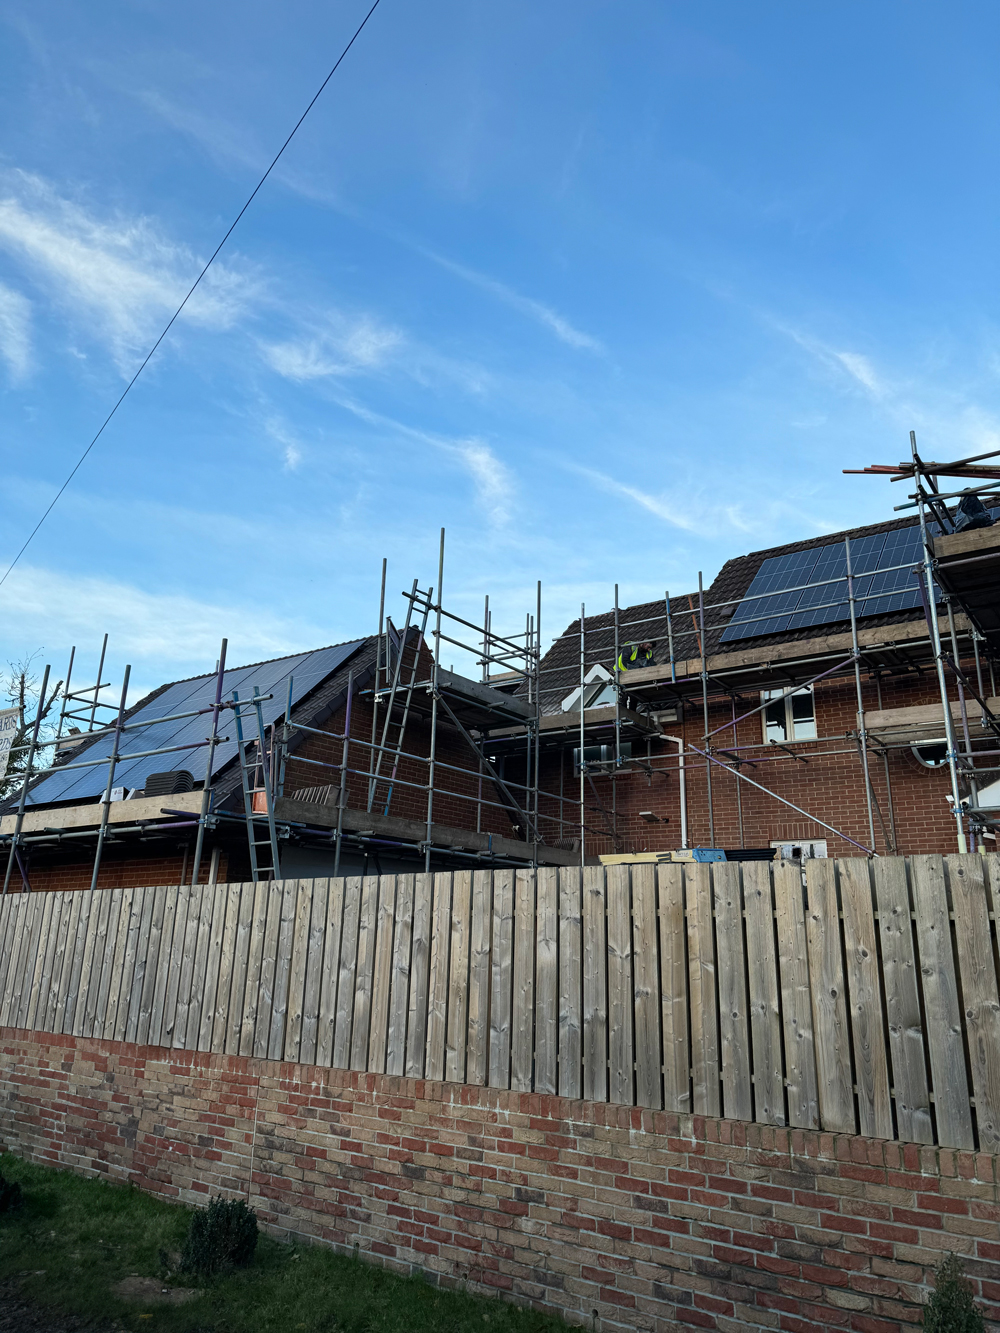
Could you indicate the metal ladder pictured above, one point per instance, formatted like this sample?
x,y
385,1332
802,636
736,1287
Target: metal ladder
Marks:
x,y
394,728
264,859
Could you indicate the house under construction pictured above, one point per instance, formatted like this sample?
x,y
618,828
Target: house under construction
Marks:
x,y
826,697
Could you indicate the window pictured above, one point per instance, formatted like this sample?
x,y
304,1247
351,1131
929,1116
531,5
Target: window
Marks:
x,y
932,754
790,719
800,851
595,756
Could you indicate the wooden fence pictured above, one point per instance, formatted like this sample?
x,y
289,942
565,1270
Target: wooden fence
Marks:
x,y
864,1002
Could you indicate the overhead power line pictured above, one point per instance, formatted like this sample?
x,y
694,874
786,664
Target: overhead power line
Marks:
x,y
274,162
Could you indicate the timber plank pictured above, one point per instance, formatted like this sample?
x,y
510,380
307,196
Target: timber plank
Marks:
x,y
621,1082
522,1030
275,899
942,1012
382,977
829,1000
189,953
163,969
458,977
314,971
66,972
570,982
595,991
141,963
420,955
501,980
151,965
796,999
346,973
367,928
248,1014
31,909
50,964
701,967
103,960
646,989
175,967
871,1065
297,972
199,977
242,946
282,969
762,969
902,1001
117,955
33,983
734,1036
546,979
437,1012
8,911
134,925
674,989
980,1000
326,1030
216,986
399,995
79,949
479,978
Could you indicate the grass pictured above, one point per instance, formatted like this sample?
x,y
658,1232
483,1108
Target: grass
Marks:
x,y
75,1238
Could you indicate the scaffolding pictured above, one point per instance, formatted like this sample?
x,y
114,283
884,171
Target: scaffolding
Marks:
x,y
576,701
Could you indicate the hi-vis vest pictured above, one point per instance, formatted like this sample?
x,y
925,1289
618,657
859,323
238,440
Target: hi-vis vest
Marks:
x,y
632,656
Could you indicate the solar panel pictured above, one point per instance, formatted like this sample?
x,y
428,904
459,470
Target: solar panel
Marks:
x,y
878,587
306,669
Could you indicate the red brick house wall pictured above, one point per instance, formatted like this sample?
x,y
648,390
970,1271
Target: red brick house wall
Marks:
x,y
616,1217
829,785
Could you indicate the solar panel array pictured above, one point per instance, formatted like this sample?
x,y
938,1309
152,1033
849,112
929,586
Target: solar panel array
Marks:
x,y
306,669
878,587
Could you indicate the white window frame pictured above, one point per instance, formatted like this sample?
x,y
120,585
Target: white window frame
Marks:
x,y
793,731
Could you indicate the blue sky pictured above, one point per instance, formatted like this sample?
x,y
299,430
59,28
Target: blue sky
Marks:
x,y
611,292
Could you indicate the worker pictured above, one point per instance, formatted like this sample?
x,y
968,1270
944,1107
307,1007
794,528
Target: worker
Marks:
x,y
636,655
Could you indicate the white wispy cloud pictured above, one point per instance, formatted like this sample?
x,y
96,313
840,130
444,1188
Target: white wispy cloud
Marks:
x,y
527,305
858,367
492,480
343,347
291,445
157,632
122,274
15,332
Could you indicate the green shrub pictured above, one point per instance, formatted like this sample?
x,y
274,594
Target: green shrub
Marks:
x,y
224,1236
10,1195
952,1308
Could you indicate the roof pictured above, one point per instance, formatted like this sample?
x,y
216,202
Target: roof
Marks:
x,y
313,675
561,664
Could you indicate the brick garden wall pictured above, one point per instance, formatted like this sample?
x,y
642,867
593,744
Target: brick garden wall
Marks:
x,y
617,1217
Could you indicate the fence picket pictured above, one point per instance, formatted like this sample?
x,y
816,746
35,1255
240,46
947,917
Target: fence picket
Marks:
x,y
674,988
314,971
942,1011
399,994
382,976
765,1020
522,1045
701,969
546,979
420,954
595,996
796,1000
502,978
570,983
902,1001
327,1026
437,1008
734,1036
621,1087
458,977
347,972
232,897
479,977
646,989
980,1001
826,972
